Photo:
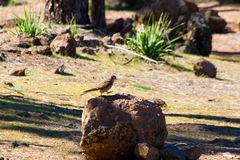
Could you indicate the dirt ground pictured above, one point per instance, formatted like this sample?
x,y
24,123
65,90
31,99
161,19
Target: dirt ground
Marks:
x,y
201,111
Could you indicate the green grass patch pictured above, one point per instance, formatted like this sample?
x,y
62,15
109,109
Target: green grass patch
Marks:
x,y
31,25
140,88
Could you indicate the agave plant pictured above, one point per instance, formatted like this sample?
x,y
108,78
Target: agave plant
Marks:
x,y
73,26
152,39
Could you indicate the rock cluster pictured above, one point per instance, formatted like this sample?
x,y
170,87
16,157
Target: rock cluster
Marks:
x,y
121,127
198,25
112,126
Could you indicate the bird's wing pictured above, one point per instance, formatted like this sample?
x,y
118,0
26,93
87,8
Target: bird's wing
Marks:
x,y
103,84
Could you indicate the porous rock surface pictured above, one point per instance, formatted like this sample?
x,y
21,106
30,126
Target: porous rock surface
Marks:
x,y
112,126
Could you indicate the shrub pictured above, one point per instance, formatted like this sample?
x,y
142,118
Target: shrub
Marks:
x,y
31,24
152,39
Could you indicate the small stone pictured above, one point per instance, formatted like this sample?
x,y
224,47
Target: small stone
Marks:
x,y
60,70
24,114
107,40
9,84
2,57
15,144
87,50
117,38
18,72
145,152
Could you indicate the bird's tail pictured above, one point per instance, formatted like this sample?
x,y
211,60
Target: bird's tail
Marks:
x,y
90,90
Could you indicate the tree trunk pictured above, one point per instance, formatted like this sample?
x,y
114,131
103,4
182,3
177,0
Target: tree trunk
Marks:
x,y
98,14
62,11
4,2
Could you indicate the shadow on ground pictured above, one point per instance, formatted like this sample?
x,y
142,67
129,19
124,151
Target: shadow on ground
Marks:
x,y
207,117
27,115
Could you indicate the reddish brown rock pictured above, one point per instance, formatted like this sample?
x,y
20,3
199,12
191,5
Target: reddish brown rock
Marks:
x,y
204,67
112,126
64,44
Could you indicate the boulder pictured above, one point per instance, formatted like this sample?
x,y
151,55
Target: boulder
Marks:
x,y
145,152
112,126
174,9
204,67
214,21
64,44
123,26
199,37
116,26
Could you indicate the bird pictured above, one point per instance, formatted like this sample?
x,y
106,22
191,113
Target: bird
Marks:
x,y
103,86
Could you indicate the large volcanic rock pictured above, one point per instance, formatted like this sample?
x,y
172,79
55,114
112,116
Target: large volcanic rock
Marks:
x,y
199,39
177,10
112,126
197,26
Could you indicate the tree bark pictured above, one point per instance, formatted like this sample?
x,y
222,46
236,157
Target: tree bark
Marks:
x,y
98,14
62,11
